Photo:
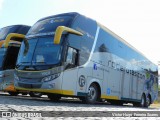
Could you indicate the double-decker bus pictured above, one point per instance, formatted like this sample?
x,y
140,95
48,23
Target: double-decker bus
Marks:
x,y
8,54
72,55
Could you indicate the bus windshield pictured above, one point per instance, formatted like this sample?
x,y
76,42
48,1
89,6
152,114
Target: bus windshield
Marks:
x,y
41,51
2,55
49,26
5,31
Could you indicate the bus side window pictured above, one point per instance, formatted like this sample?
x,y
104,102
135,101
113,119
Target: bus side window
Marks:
x,y
72,58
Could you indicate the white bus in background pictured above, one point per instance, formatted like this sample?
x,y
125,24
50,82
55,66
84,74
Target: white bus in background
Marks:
x,y
72,55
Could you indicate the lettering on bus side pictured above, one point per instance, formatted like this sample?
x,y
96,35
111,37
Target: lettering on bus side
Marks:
x,y
119,67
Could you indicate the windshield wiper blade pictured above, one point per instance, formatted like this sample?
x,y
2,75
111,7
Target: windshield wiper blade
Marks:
x,y
21,63
39,62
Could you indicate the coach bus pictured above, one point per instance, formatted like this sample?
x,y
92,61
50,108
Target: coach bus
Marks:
x,y
72,55
9,50
8,55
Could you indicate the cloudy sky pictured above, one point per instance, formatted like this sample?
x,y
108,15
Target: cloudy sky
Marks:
x,y
136,21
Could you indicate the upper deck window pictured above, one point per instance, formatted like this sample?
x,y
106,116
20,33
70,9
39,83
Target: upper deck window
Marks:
x,y
49,25
5,31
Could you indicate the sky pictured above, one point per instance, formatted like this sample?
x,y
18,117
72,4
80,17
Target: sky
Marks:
x,y
136,21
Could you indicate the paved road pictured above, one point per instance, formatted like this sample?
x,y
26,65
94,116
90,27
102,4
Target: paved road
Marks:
x,y
74,106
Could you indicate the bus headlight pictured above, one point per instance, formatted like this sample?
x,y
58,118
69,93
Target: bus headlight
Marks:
x,y
51,77
16,77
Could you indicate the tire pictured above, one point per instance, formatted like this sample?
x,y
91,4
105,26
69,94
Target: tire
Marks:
x,y
54,97
24,93
13,93
142,103
148,101
92,95
35,94
116,102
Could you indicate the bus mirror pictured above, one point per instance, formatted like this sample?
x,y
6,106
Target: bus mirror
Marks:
x,y
11,35
60,30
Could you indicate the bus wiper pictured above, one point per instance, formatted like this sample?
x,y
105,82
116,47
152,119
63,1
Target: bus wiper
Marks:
x,y
19,64
40,63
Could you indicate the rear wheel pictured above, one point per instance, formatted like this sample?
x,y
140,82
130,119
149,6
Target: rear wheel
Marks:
x,y
54,97
148,101
35,94
92,95
116,102
142,103
13,93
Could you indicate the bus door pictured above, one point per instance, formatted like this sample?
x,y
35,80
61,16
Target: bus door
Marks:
x,y
70,75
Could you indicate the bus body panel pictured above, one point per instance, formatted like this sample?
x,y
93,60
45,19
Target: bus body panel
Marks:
x,y
7,82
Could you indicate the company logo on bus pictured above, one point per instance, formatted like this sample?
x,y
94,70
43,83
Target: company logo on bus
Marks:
x,y
81,81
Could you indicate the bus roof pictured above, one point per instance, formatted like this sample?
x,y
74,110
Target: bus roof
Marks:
x,y
18,25
73,14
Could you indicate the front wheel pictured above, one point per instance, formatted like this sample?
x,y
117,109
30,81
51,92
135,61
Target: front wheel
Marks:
x,y
13,93
53,97
35,94
92,95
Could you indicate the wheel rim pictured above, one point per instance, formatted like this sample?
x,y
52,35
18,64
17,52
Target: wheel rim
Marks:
x,y
148,101
142,101
92,93
36,93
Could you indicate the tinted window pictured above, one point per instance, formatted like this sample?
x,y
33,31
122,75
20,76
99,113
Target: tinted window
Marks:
x,y
49,25
2,55
83,43
5,31
105,43
13,29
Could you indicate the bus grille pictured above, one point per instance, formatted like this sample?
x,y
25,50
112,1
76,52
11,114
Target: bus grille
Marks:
x,y
29,85
30,80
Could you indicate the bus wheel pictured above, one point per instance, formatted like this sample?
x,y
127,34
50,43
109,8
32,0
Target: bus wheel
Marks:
x,y
143,101
53,97
92,96
35,94
116,102
13,93
24,93
148,101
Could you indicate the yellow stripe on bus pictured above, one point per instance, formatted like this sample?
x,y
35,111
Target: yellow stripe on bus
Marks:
x,y
64,92
110,97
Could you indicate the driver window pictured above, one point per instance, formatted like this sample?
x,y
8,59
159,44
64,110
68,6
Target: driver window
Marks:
x,y
71,56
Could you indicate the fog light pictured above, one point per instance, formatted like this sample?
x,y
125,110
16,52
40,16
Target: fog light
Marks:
x,y
51,85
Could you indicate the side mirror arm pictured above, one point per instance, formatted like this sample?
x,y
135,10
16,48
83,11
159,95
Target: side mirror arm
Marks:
x,y
60,30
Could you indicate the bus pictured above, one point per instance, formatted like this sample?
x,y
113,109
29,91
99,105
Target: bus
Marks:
x,y
72,55
9,50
